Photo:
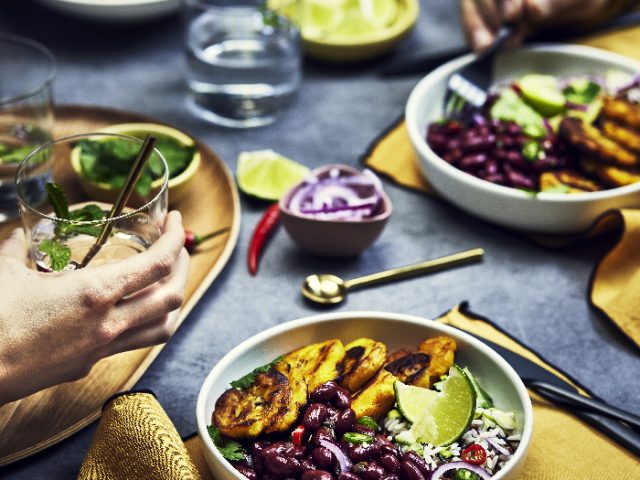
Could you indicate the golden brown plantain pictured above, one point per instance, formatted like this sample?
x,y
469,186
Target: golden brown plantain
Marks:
x,y
376,397
589,140
574,182
611,174
442,351
363,358
314,364
267,406
396,354
622,111
626,137
411,369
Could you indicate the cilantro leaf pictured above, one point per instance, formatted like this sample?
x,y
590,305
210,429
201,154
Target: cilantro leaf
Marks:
x,y
231,450
245,382
59,253
57,199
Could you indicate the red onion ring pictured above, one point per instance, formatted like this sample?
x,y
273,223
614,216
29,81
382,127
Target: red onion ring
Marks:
x,y
499,448
442,469
343,460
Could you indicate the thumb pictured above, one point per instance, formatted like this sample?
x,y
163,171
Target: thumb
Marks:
x,y
14,246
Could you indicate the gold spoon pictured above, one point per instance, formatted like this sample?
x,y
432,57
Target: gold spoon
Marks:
x,y
330,289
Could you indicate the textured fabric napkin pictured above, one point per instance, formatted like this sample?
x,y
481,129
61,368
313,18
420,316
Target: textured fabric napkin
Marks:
x,y
136,440
616,280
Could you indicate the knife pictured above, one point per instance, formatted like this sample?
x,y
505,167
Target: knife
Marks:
x,y
525,368
424,62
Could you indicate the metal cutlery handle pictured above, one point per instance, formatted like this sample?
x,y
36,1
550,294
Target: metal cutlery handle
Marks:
x,y
592,404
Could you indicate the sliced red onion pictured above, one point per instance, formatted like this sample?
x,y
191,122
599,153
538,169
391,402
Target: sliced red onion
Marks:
x,y
442,469
576,106
342,208
633,83
478,119
343,460
499,448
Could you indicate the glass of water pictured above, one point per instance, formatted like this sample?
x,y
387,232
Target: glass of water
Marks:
x,y
63,213
244,62
27,70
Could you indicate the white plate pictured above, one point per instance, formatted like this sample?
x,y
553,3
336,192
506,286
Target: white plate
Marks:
x,y
115,10
555,213
396,331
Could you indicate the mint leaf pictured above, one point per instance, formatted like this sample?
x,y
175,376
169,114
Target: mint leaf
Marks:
x,y
245,382
58,253
88,213
15,154
57,199
177,156
231,450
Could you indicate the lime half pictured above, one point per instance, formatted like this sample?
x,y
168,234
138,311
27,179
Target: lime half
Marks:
x,y
267,174
443,417
543,93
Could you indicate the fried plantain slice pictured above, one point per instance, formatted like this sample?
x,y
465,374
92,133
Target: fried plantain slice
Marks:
x,y
363,358
266,406
313,364
376,397
573,181
626,137
442,351
592,142
411,369
622,111
611,174
396,354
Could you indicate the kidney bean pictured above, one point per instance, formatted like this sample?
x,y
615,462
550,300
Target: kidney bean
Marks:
x,y
322,457
409,471
473,162
454,144
308,464
373,471
281,465
437,141
247,472
359,468
316,475
363,429
452,127
324,392
332,415
518,179
295,451
314,416
278,447
390,477
341,399
389,462
453,156
258,448
348,476
492,166
418,461
323,433
345,421
497,178
361,453
513,128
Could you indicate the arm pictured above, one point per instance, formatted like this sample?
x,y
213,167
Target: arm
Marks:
x,y
55,327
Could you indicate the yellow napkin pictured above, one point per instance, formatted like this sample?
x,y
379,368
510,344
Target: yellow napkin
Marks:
x,y
136,440
616,279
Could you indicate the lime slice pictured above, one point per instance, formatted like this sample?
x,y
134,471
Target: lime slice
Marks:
x,y
444,417
320,17
380,12
267,174
413,401
543,93
355,26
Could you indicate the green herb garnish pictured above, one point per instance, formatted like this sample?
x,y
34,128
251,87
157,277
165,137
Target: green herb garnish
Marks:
x,y
58,252
245,382
230,449
582,91
57,199
464,474
110,161
14,154
354,437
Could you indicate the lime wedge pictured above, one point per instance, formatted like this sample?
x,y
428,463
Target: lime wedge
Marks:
x,y
543,93
413,401
445,416
267,174
380,12
320,17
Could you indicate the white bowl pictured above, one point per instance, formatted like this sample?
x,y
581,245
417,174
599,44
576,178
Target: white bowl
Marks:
x,y
545,212
396,330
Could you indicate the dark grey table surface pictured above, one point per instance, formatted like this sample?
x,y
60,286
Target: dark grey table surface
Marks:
x,y
536,294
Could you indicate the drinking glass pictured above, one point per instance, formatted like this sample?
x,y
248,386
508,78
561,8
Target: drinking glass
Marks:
x,y
59,239
27,70
243,62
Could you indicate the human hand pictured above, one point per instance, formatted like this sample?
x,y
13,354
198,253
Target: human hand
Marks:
x,y
55,326
482,18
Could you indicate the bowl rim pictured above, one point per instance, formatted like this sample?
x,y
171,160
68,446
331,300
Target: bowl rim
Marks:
x,y
419,142
308,321
284,200
403,23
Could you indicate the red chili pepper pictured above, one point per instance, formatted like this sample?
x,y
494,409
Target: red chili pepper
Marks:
x,y
265,228
474,454
191,240
297,436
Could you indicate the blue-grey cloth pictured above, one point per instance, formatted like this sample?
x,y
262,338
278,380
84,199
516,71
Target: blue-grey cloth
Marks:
x,y
536,294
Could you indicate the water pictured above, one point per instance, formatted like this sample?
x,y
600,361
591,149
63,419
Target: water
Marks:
x,y
241,74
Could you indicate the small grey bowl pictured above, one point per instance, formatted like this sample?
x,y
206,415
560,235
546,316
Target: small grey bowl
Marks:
x,y
333,238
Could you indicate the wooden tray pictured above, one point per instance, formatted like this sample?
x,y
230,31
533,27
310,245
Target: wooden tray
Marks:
x,y
47,417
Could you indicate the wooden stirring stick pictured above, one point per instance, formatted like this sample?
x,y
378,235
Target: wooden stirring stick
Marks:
x,y
129,184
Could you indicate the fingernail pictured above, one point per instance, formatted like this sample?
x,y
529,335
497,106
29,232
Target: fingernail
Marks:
x,y
481,39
